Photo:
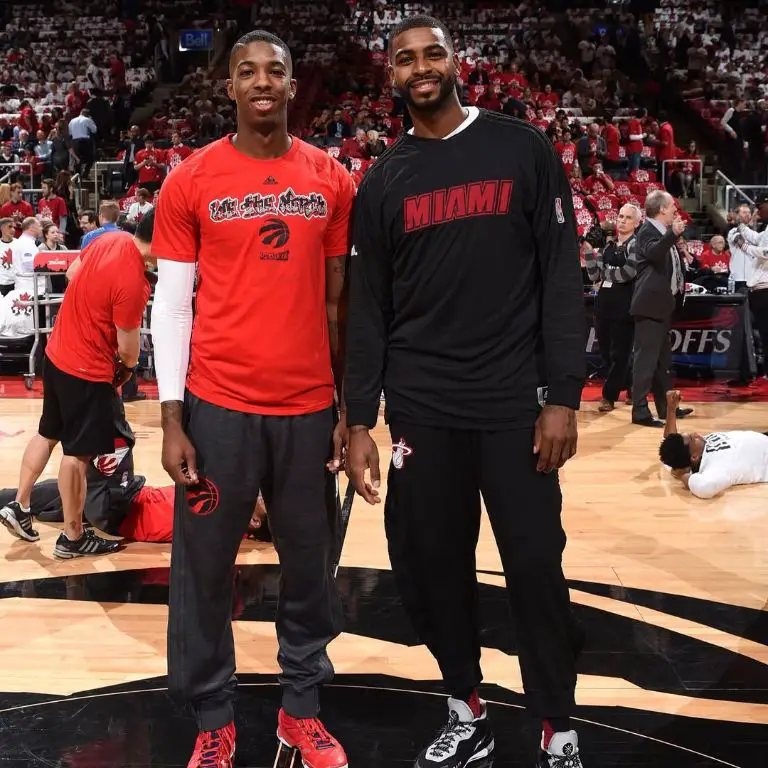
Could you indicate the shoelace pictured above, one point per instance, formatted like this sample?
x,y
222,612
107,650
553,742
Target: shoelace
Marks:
x,y
448,734
316,732
210,750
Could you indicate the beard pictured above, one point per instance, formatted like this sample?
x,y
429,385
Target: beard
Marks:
x,y
447,88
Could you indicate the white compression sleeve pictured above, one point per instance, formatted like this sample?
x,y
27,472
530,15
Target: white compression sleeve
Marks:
x,y
172,326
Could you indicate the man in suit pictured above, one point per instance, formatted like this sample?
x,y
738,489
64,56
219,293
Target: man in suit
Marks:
x,y
659,285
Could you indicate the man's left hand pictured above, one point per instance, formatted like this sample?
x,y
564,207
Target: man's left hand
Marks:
x,y
555,437
340,436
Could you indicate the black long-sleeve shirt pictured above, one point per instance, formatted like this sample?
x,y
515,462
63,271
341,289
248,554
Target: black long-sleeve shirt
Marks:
x,y
466,296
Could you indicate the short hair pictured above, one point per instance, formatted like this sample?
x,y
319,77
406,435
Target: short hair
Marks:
x,y
17,187
262,36
30,221
109,210
50,182
146,227
6,222
90,215
674,453
655,201
143,192
420,21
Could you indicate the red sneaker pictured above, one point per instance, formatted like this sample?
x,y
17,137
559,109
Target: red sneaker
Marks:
x,y
317,747
214,749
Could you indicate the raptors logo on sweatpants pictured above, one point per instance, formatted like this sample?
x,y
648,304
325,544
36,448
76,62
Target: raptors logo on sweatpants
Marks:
x,y
203,498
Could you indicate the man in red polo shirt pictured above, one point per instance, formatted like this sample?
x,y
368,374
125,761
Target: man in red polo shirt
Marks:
x,y
248,405
93,347
177,153
149,165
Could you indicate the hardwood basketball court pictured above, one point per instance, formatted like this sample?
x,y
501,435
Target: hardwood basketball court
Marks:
x,y
671,590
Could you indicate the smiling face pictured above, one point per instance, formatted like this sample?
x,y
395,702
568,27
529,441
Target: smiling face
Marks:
x,y
260,83
424,68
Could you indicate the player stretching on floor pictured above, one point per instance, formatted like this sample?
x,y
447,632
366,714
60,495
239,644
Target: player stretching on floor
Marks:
x,y
249,405
467,309
708,464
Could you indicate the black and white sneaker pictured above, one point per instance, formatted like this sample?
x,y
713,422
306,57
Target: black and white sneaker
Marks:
x,y
18,521
463,740
88,544
561,752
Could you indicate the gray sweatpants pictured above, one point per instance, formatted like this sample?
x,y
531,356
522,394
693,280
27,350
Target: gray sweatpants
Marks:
x,y
239,454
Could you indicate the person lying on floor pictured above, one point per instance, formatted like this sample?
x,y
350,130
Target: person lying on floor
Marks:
x,y
118,501
708,464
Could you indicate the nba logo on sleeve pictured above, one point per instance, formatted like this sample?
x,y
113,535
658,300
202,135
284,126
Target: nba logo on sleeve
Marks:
x,y
559,210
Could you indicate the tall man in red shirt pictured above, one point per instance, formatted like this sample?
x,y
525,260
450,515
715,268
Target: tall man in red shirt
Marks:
x,y
98,324
149,164
248,405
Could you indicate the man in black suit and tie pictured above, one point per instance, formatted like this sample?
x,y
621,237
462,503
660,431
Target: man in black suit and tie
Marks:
x,y
659,285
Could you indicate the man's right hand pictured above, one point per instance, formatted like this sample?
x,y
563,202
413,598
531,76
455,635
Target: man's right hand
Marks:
x,y
179,457
678,226
363,454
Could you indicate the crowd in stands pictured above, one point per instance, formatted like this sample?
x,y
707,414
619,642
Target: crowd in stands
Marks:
x,y
715,54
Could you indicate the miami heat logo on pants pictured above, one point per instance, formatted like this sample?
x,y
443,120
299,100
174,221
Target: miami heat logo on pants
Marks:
x,y
203,498
399,451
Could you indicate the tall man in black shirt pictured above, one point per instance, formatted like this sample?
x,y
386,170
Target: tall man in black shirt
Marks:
x,y
467,309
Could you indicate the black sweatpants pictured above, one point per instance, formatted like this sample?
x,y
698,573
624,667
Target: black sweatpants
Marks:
x,y
432,516
615,335
238,454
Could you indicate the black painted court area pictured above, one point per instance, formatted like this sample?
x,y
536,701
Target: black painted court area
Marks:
x,y
379,725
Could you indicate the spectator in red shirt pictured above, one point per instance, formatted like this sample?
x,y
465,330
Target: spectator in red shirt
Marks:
x,y
489,100
636,136
355,147
149,164
612,138
516,76
75,100
599,183
548,99
117,70
665,141
177,153
17,208
98,323
51,206
715,257
567,151
540,121
690,171
28,118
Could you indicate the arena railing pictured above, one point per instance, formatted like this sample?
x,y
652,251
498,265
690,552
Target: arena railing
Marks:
x,y
725,191
19,166
682,161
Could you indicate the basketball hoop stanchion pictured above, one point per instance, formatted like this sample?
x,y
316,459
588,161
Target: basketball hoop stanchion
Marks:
x,y
290,757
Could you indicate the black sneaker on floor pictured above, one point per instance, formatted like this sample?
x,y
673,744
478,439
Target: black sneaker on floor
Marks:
x,y
561,752
88,544
463,740
18,522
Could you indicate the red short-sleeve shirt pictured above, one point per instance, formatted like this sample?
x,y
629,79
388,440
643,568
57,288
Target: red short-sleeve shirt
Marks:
x,y
260,231
108,292
54,208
